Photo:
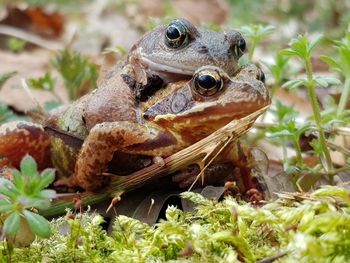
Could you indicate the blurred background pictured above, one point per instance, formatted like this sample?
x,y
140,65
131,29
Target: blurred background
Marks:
x,y
31,31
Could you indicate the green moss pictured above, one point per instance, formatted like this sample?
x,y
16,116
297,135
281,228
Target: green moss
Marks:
x,y
304,227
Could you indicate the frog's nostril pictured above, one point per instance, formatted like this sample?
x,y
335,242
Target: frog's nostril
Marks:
x,y
203,49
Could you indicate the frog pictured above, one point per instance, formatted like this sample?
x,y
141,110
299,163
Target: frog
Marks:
x,y
173,52
174,118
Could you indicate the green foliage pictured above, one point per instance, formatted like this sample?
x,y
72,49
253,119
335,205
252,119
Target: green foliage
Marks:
x,y
7,114
316,226
26,192
255,33
302,48
47,82
341,64
16,45
5,76
76,71
279,70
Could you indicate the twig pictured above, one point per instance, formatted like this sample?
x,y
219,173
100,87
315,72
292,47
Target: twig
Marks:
x,y
31,38
31,96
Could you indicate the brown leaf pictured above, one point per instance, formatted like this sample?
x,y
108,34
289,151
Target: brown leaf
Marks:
x,y
36,20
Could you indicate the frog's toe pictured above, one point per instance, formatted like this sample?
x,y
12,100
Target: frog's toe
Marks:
x,y
20,138
185,177
67,184
254,196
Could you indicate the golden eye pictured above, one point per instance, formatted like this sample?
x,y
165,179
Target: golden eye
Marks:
x,y
176,34
207,83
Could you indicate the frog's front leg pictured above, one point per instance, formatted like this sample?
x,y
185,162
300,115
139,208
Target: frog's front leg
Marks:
x,y
97,151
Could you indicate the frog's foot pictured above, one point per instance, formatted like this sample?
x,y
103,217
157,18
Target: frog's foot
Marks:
x,y
67,185
215,174
20,138
254,196
253,171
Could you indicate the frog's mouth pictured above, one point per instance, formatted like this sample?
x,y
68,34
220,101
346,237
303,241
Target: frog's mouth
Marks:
x,y
166,72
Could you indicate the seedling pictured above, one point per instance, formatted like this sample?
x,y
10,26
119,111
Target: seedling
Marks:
x,y
342,65
279,71
255,33
20,196
76,71
302,48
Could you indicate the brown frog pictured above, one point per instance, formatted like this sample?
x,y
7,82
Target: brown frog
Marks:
x,y
173,52
171,120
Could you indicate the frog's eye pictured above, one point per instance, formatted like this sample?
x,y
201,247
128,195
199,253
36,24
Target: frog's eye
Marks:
x,y
240,47
241,44
207,83
176,34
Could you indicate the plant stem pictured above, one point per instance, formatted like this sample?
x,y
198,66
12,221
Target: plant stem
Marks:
x,y
251,51
316,110
344,96
298,153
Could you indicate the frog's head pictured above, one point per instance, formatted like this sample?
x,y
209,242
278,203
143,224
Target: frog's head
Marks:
x,y
176,51
207,102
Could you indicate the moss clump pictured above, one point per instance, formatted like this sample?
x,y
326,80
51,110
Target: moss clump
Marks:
x,y
306,228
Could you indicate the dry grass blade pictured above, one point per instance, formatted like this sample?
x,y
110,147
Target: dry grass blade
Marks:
x,y
206,149
190,155
31,38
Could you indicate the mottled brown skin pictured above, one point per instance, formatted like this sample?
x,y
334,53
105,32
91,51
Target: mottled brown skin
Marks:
x,y
20,138
152,63
174,119
171,120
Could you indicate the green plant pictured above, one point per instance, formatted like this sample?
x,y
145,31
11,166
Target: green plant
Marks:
x,y
46,83
76,72
16,45
279,71
302,48
287,129
20,196
295,228
255,33
6,114
342,65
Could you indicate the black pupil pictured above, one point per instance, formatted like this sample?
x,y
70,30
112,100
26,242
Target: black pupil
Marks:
x,y
172,32
206,82
241,44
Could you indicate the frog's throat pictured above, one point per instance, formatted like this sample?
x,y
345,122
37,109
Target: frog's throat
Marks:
x,y
157,66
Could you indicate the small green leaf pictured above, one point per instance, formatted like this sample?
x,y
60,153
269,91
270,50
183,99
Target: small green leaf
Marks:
x,y
48,193
47,177
47,82
38,224
288,52
326,81
11,224
16,45
8,189
313,44
331,62
5,206
50,105
28,166
292,84
18,179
